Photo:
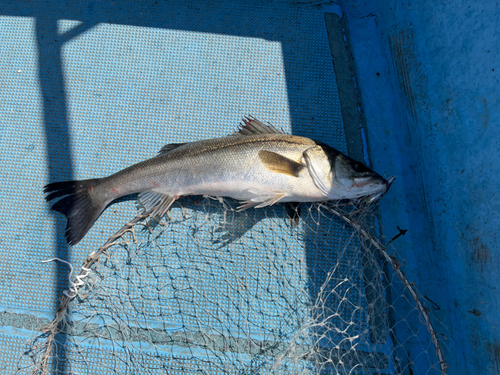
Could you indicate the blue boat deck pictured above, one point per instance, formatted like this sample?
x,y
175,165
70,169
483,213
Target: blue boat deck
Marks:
x,y
88,88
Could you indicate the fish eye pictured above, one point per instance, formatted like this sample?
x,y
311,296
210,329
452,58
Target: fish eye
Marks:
x,y
358,167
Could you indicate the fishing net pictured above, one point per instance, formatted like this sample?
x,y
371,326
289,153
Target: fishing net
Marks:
x,y
209,290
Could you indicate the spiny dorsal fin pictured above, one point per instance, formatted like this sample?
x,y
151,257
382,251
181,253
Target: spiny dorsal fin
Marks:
x,y
252,126
167,148
279,163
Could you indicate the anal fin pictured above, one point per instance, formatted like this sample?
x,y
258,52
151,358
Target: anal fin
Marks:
x,y
159,203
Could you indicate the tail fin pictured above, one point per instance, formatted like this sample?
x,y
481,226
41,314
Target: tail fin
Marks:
x,y
79,205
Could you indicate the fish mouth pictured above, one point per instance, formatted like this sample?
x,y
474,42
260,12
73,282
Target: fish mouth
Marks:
x,y
370,199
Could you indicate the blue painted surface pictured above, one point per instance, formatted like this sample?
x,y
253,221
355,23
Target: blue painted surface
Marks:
x,y
83,84
429,78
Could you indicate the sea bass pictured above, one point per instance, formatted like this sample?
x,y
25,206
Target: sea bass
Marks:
x,y
258,165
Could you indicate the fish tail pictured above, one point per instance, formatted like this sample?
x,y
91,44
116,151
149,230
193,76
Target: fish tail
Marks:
x,y
79,204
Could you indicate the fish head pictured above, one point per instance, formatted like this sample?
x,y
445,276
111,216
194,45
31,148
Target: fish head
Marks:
x,y
340,177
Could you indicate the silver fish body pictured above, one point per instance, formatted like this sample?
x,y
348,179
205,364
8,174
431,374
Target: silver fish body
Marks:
x,y
258,165
229,167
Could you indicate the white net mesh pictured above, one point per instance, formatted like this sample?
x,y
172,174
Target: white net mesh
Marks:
x,y
214,291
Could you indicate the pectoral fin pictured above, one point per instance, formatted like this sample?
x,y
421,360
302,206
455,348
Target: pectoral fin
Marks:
x,y
279,163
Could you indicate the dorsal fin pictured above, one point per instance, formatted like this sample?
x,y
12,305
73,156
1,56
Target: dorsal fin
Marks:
x,y
252,126
167,148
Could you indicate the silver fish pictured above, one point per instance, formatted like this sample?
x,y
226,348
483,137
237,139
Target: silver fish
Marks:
x,y
258,165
